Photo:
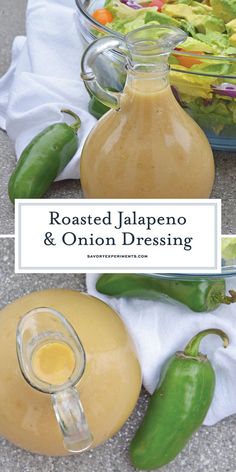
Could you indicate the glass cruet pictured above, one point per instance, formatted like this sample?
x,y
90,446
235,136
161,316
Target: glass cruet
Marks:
x,y
146,146
45,327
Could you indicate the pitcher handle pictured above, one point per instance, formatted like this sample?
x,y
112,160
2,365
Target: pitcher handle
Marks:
x,y
71,419
87,74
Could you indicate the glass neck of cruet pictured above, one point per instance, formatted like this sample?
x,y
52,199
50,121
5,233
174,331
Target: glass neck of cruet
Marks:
x,y
146,50
147,78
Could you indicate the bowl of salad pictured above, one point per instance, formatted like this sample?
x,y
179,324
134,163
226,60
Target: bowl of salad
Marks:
x,y
202,71
200,293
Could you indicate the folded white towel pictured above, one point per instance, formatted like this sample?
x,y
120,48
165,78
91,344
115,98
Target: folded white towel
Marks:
x,y
44,77
160,329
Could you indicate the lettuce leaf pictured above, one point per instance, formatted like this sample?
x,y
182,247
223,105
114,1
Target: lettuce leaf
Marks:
x,y
231,26
192,85
127,26
213,67
206,23
219,42
187,27
122,12
225,9
228,248
193,44
215,115
185,2
161,18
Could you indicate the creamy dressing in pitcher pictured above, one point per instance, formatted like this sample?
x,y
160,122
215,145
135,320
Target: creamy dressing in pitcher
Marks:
x,y
108,389
150,148
53,362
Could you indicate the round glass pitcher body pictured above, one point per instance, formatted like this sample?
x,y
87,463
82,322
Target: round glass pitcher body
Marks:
x,y
146,146
108,389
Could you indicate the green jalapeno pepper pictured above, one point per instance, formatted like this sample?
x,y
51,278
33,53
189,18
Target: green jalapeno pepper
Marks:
x,y
97,108
199,294
43,159
178,406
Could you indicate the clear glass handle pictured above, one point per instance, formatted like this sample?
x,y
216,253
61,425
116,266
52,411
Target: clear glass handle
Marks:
x,y
71,419
144,47
87,74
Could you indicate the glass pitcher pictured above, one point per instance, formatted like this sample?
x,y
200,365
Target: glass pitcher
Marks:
x,y
52,361
146,146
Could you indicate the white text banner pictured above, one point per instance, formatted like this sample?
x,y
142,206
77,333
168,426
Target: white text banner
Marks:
x,y
165,236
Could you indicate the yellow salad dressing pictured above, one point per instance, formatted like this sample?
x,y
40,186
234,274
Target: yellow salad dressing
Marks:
x,y
109,387
150,148
53,362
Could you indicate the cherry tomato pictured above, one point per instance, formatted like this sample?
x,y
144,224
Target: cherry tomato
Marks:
x,y
103,16
156,3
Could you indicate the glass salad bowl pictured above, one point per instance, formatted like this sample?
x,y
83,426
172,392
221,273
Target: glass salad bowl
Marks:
x,y
199,293
204,84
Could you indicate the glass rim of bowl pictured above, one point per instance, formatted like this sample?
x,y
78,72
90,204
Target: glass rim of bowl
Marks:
x,y
204,57
227,271
200,73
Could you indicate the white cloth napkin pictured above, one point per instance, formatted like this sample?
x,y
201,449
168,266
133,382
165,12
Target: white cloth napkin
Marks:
x,y
44,77
160,329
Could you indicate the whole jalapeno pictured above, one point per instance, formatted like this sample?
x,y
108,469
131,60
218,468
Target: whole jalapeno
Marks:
x,y
44,159
199,294
97,108
178,406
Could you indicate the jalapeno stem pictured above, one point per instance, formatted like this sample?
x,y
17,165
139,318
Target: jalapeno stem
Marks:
x,y
192,348
76,125
232,299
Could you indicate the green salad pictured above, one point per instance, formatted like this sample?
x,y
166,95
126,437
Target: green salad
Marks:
x,y
228,248
211,26
206,87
